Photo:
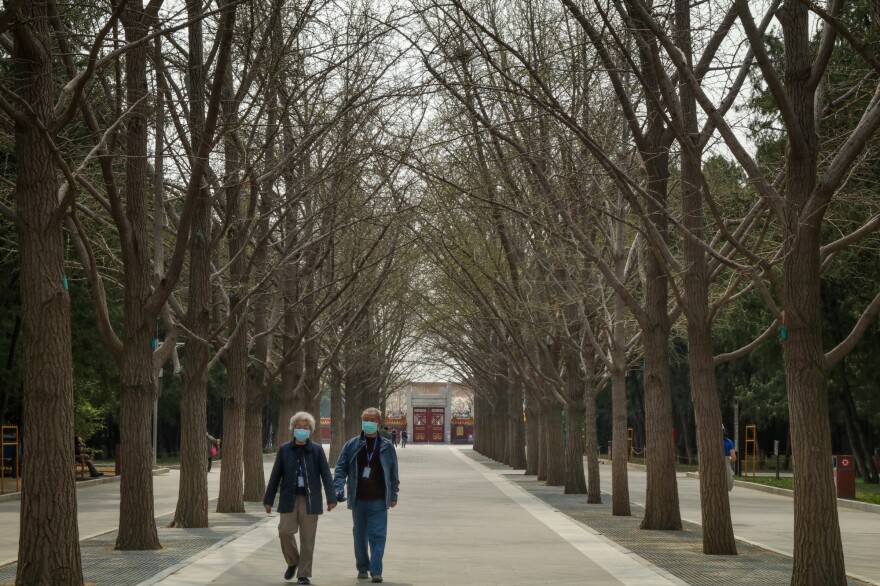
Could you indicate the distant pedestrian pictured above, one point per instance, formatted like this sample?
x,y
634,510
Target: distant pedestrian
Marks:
x,y
300,469
79,452
394,437
367,467
404,435
729,457
213,448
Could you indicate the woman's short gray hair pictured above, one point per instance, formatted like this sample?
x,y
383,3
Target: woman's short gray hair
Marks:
x,y
303,416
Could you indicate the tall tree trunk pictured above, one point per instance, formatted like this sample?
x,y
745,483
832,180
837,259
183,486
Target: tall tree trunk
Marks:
x,y
231,497
542,446
137,525
620,443
714,503
337,416
575,482
619,429
661,497
516,427
555,453
257,383
254,476
48,547
687,436
533,435
192,502
818,551
591,444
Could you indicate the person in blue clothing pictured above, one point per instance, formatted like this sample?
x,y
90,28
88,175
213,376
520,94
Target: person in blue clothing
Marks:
x,y
730,457
367,468
300,469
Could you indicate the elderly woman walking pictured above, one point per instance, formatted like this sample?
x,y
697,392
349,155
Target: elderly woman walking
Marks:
x,y
300,470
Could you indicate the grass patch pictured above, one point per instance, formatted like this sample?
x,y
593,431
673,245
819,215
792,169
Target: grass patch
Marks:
x,y
866,493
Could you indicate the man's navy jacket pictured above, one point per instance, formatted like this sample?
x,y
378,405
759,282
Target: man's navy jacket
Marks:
x,y
316,470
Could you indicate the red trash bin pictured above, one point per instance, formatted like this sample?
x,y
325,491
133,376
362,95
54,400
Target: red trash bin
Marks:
x,y
845,476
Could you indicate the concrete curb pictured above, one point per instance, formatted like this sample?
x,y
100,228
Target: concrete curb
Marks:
x,y
845,503
16,496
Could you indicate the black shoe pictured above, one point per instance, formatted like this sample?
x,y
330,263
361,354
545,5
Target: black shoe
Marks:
x,y
376,578
291,570
363,575
303,580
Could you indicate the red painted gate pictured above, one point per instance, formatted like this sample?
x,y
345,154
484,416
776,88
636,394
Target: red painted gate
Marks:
x,y
428,424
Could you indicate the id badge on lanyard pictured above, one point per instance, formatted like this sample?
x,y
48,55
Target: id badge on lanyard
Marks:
x,y
370,455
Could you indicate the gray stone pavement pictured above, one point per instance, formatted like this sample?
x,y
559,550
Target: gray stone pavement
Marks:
x,y
461,519
457,522
768,520
98,508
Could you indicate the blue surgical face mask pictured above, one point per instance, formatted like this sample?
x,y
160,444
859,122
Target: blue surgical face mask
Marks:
x,y
369,426
302,434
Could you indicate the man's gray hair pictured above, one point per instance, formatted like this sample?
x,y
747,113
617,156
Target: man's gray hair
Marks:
x,y
374,411
303,416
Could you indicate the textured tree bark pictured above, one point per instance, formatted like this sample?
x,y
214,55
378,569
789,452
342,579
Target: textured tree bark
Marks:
x,y
337,416
575,482
661,498
532,442
714,503
619,429
48,547
818,551
591,445
257,389
620,443
137,525
516,428
291,371
500,447
254,476
231,496
541,445
553,438
192,502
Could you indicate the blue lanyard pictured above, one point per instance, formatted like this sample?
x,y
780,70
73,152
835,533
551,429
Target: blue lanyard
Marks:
x,y
373,452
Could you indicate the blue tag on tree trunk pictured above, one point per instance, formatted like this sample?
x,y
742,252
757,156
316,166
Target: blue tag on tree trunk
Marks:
x,y
783,334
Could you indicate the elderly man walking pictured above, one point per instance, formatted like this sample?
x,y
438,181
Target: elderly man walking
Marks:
x,y
368,466
300,469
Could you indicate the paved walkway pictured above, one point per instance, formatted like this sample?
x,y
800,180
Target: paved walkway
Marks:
x,y
768,520
461,519
457,522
